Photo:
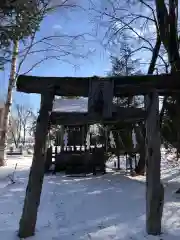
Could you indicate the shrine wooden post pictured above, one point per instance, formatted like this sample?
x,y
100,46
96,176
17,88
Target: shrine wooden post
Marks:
x,y
33,191
154,188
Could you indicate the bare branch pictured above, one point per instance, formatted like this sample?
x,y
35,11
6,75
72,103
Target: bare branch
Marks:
x,y
25,56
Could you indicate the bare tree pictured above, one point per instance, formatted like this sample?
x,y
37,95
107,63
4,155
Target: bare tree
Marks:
x,y
21,120
32,127
14,131
130,21
60,47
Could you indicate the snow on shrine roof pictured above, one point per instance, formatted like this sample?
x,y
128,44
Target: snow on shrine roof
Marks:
x,y
70,105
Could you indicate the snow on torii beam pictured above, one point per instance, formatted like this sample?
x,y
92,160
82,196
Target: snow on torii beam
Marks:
x,y
166,84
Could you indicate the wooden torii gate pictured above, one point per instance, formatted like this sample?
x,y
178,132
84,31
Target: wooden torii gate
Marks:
x,y
150,86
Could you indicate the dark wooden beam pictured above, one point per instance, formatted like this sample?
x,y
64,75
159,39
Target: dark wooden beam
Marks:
x,y
64,86
154,187
33,192
123,114
123,86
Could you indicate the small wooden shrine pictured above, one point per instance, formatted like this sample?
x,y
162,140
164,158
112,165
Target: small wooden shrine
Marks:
x,y
70,144
73,115
100,92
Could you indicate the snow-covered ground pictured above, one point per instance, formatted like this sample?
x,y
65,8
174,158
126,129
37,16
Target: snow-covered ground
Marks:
x,y
23,164
105,207
170,169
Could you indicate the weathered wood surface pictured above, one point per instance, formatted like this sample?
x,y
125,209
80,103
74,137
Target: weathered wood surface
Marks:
x,y
140,136
74,118
154,188
48,160
34,187
100,99
123,85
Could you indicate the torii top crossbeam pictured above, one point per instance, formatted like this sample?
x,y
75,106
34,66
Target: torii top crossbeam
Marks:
x,y
165,84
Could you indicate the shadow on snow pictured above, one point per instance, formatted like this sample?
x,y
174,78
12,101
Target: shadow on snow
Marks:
x,y
109,206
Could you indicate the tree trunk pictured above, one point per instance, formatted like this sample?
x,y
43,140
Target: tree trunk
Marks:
x,y
7,107
154,188
141,165
24,135
116,136
34,187
140,168
16,143
118,162
168,27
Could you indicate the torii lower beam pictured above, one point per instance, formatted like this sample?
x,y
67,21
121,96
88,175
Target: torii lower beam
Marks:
x,y
74,118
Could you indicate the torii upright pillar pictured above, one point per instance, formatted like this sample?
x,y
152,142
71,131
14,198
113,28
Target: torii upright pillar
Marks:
x,y
154,188
33,191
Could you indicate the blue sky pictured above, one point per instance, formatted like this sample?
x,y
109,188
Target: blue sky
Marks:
x,y
74,22
68,22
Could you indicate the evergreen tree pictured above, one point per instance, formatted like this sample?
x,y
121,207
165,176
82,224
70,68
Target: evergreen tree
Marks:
x,y
125,65
19,19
